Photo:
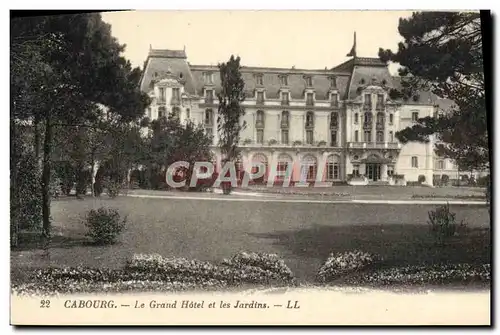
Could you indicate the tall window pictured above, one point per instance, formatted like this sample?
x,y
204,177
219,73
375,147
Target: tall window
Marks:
x,y
368,118
260,116
162,112
440,164
333,138
176,112
309,119
188,113
309,167
355,170
283,162
209,78
368,136
176,96
209,96
380,136
284,136
284,119
414,116
333,167
284,80
260,80
309,81
260,97
356,136
356,118
161,92
260,136
391,118
334,120
368,100
414,162
333,82
335,99
284,98
380,118
209,117
380,100
309,99
309,136
391,136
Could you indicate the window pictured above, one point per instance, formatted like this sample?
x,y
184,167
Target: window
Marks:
x,y
260,80
440,164
414,162
209,96
260,97
368,118
309,167
333,167
380,118
284,80
380,100
414,116
390,170
333,82
188,113
309,137
284,119
391,136
309,119
284,98
176,95
356,136
356,118
334,120
284,136
368,136
162,112
176,112
260,136
209,78
309,81
161,92
309,99
380,136
209,117
335,99
283,162
355,170
368,99
391,118
333,138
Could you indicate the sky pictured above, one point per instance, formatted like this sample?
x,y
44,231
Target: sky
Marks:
x,y
304,39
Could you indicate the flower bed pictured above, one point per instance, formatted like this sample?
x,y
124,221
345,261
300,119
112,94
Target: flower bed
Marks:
x,y
341,264
156,273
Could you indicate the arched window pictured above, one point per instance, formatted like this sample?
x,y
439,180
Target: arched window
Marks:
x,y
334,120
308,168
368,117
176,112
259,161
284,163
333,167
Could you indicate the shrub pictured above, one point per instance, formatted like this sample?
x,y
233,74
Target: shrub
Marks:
x,y
266,262
445,179
104,225
421,179
442,223
26,204
344,263
113,188
483,181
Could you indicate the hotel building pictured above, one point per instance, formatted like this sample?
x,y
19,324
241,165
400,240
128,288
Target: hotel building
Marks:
x,y
336,125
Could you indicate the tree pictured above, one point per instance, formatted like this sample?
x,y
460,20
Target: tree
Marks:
x,y
61,66
229,124
442,52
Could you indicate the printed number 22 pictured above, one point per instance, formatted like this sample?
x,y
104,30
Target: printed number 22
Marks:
x,y
44,303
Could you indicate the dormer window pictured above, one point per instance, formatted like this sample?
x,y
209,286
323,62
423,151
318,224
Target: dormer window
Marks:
x,y
333,82
309,81
259,79
368,101
209,96
260,97
285,101
161,94
309,99
335,99
284,80
380,101
176,96
209,78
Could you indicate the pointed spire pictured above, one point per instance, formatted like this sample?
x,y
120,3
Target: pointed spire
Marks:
x,y
352,53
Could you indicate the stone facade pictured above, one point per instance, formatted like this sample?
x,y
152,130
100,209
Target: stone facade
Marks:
x,y
331,125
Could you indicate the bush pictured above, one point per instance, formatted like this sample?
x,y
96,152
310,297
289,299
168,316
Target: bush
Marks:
x,y
26,201
483,181
341,264
113,188
443,224
104,225
421,179
445,179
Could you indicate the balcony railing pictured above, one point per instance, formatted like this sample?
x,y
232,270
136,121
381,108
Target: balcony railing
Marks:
x,y
374,145
175,102
367,125
379,126
334,103
285,124
285,102
209,100
380,106
309,103
160,101
334,125
260,101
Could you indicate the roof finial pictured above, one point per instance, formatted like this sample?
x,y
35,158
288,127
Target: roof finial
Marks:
x,y
184,48
150,46
352,53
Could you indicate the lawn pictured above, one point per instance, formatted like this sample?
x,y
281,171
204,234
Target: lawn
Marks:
x,y
302,234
